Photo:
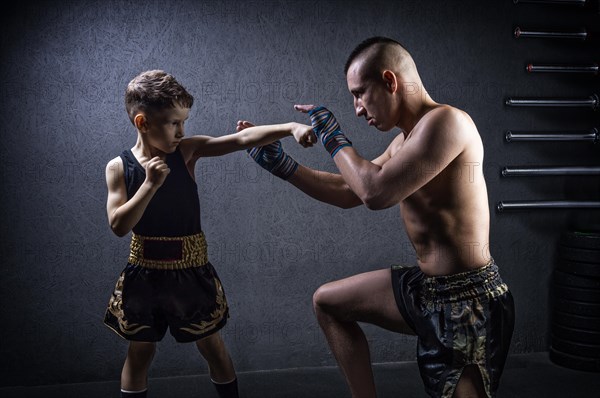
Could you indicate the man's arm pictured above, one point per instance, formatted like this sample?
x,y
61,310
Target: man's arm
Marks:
x,y
428,151
330,188
124,214
203,145
325,187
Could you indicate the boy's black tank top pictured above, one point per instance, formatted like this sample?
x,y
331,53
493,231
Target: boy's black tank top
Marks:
x,y
174,210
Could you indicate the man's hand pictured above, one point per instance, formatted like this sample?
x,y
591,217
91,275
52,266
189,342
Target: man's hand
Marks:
x,y
156,172
304,108
326,128
272,158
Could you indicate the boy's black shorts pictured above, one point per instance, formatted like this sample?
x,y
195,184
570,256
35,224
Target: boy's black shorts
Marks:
x,y
463,319
190,302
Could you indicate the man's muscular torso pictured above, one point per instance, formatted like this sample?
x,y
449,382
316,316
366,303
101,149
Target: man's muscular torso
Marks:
x,y
447,219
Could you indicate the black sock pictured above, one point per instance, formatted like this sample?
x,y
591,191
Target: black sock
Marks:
x,y
133,394
227,390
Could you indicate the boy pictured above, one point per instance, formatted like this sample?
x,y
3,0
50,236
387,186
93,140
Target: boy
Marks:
x,y
168,281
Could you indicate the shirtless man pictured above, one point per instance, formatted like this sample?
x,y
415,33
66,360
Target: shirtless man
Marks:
x,y
454,300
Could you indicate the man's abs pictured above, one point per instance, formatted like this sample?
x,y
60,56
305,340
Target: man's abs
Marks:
x,y
447,222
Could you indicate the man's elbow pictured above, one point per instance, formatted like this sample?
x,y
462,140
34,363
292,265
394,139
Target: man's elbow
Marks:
x,y
377,202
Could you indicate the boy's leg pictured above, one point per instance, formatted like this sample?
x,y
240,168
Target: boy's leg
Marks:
x,y
134,376
340,305
222,372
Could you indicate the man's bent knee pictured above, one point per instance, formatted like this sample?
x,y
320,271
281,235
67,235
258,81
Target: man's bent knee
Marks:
x,y
323,299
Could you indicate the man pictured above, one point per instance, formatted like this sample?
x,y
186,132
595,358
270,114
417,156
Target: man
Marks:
x,y
454,301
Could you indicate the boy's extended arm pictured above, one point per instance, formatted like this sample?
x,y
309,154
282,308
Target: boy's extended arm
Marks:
x,y
202,145
124,214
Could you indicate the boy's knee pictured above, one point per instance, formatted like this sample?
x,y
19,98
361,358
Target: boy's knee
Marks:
x,y
141,349
212,346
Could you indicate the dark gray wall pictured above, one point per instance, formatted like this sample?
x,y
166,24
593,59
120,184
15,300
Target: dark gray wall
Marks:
x,y
64,68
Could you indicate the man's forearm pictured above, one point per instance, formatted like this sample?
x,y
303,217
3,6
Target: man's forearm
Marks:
x,y
325,187
360,175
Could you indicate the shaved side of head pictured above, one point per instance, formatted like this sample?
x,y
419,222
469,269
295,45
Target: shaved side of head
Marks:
x,y
377,54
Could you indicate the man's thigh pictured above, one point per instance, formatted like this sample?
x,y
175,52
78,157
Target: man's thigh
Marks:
x,y
366,297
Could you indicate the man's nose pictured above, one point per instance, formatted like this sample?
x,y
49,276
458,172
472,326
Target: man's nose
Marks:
x,y
360,110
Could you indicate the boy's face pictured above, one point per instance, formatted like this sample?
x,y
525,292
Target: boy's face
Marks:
x,y
165,129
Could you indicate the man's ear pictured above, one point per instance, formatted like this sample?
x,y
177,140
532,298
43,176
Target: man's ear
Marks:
x,y
141,123
391,81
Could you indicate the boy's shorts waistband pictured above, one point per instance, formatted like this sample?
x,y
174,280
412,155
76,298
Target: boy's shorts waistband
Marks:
x,y
160,252
480,282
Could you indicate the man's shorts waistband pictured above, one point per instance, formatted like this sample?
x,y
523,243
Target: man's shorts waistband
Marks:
x,y
160,252
481,282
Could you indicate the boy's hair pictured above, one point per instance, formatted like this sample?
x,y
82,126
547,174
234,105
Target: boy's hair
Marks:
x,y
155,90
363,46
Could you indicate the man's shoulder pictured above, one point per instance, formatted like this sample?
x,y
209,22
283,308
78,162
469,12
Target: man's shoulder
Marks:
x,y
447,113
447,119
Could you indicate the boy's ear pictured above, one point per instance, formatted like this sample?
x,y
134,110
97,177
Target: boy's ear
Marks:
x,y
140,121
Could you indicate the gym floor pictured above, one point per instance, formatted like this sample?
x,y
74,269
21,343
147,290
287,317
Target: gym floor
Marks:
x,y
525,376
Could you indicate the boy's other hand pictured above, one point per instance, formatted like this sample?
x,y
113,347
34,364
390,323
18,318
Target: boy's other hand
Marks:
x,y
156,171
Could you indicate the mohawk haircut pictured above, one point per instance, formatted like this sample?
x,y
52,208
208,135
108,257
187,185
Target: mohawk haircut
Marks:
x,y
365,45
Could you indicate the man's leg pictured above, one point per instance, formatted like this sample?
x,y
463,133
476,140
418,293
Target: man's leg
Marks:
x,y
470,384
134,376
339,305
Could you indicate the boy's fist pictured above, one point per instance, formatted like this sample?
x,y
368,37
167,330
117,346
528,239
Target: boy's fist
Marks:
x,y
156,171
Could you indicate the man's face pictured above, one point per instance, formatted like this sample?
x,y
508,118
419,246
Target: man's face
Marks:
x,y
372,100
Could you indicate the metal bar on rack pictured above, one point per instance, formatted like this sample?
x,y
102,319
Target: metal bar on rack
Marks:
x,y
592,135
523,171
590,68
593,101
565,2
546,204
581,34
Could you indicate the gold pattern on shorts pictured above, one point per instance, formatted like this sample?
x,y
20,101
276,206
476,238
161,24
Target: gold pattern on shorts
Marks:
x,y
217,315
115,306
194,252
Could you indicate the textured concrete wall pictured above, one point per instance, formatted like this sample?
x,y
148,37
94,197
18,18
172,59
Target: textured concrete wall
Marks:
x,y
64,68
